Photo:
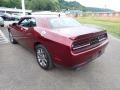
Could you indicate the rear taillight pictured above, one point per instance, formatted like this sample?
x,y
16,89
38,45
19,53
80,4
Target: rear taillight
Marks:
x,y
102,37
80,44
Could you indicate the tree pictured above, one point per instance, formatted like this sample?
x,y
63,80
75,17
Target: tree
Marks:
x,y
10,3
42,5
37,5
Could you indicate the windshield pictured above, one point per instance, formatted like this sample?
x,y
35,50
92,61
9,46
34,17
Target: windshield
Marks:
x,y
63,22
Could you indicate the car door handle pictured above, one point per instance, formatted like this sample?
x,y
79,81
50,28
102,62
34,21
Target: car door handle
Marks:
x,y
29,33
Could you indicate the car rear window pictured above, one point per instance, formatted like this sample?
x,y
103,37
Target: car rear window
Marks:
x,y
61,22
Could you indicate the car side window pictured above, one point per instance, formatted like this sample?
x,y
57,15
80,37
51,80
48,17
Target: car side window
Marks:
x,y
28,22
32,22
24,22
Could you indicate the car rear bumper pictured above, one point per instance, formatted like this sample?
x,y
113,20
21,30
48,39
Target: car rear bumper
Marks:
x,y
82,58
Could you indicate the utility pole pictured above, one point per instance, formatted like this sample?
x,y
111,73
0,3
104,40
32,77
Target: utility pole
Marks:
x,y
23,6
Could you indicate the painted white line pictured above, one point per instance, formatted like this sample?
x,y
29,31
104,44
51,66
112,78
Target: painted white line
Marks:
x,y
5,40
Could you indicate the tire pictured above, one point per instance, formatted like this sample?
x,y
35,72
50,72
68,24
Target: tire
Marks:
x,y
43,57
12,40
2,25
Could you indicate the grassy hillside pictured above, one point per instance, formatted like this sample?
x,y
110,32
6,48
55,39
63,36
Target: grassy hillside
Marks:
x,y
71,5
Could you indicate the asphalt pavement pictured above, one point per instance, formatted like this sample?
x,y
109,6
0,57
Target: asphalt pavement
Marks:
x,y
19,71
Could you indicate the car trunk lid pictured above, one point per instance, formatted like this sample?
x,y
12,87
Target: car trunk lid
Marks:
x,y
76,32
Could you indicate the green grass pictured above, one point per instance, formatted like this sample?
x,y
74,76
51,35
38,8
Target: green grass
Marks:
x,y
111,25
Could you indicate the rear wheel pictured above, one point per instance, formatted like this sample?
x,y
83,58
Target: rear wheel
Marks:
x,y
12,40
43,57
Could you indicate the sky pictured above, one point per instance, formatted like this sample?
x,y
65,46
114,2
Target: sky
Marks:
x,y
109,4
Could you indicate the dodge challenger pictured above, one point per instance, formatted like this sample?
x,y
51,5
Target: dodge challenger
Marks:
x,y
58,40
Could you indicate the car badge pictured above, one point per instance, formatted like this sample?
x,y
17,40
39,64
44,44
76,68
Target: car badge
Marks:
x,y
43,33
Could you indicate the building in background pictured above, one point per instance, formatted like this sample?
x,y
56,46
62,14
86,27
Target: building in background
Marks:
x,y
13,10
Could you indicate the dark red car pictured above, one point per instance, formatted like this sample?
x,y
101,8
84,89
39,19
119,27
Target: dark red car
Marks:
x,y
59,40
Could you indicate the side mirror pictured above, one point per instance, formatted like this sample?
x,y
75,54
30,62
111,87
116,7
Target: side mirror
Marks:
x,y
14,24
31,24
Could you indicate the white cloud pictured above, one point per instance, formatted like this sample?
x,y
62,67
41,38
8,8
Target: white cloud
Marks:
x,y
110,4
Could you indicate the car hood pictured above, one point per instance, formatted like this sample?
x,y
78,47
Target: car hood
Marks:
x,y
77,31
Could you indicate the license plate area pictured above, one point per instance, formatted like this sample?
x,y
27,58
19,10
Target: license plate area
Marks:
x,y
97,54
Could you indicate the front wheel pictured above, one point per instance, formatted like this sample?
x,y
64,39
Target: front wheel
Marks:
x,y
43,57
12,40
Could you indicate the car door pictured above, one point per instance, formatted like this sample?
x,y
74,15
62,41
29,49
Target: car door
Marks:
x,y
29,34
20,30
16,30
26,32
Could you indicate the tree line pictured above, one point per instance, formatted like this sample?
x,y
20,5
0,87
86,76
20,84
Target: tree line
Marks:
x,y
35,5
52,5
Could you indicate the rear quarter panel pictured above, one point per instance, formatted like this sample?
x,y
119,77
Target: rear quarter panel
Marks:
x,y
58,46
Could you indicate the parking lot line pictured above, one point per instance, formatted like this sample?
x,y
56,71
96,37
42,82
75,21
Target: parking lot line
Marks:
x,y
3,39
